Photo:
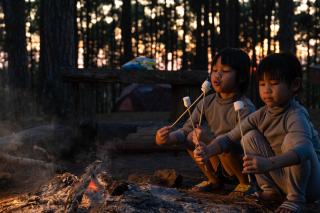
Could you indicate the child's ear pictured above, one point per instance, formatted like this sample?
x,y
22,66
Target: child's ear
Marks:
x,y
296,85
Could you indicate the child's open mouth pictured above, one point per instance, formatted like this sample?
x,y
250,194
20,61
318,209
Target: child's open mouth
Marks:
x,y
216,83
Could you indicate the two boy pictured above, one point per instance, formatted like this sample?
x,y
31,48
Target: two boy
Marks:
x,y
281,143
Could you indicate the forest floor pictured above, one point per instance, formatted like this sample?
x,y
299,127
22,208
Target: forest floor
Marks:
x,y
138,162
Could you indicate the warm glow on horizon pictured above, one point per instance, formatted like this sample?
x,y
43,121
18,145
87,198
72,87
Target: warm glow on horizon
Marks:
x,y
158,49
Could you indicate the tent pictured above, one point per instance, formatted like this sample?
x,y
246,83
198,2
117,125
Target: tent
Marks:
x,y
144,97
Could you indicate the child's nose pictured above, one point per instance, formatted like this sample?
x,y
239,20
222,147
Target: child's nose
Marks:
x,y
267,88
218,74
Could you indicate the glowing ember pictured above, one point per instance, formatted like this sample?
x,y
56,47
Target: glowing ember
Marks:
x,y
92,186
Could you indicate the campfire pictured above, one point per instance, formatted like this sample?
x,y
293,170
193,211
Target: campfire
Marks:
x,y
97,187
97,191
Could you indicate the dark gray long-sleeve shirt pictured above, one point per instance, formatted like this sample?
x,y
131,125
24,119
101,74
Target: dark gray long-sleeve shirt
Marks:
x,y
218,114
280,125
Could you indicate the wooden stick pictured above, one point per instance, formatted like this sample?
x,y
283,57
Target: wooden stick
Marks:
x,y
251,178
188,108
201,113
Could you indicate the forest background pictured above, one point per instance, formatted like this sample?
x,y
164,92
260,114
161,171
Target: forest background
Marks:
x,y
38,38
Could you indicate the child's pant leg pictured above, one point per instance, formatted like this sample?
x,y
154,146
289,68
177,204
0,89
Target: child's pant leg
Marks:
x,y
302,179
256,144
298,182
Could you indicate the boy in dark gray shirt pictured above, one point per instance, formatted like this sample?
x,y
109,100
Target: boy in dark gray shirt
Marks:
x,y
229,78
281,143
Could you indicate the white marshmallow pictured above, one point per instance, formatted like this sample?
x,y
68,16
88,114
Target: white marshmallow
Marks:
x,y
238,105
186,101
206,86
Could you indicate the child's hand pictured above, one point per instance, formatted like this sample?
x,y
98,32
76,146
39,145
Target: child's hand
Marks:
x,y
196,133
255,164
201,153
162,135
192,136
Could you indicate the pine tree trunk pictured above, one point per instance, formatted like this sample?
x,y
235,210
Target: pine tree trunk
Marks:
x,y
126,31
286,33
57,50
19,82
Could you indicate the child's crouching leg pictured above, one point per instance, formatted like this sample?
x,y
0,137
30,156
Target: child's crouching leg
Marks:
x,y
302,180
256,144
232,164
212,177
295,178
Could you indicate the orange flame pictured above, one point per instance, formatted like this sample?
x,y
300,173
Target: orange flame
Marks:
x,y
92,186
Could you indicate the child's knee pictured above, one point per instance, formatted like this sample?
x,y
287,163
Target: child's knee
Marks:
x,y
250,138
252,141
251,134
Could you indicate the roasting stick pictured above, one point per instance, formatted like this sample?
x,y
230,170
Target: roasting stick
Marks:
x,y
238,105
178,119
187,103
205,88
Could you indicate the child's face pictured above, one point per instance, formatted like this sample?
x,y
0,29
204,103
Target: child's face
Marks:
x,y
223,79
275,93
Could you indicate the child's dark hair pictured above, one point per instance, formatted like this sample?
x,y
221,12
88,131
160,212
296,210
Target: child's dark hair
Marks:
x,y
238,60
284,67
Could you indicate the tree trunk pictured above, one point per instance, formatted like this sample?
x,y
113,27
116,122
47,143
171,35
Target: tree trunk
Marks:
x,y
233,23
213,37
184,44
57,50
286,33
201,59
126,31
223,24
15,19
229,26
19,82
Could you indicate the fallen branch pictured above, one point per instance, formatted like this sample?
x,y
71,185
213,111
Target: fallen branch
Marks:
x,y
25,161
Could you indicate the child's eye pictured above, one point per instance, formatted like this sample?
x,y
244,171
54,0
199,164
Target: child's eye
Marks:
x,y
214,70
262,83
226,70
274,82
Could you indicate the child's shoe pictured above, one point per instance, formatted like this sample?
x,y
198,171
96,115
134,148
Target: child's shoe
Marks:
x,y
241,190
206,186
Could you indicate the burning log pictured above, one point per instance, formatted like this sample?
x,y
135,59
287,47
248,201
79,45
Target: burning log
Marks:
x,y
75,195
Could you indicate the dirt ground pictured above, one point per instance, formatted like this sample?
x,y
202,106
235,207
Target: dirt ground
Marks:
x,y
137,164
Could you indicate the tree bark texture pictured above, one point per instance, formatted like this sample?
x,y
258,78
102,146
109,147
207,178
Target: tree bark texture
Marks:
x,y
57,50
286,32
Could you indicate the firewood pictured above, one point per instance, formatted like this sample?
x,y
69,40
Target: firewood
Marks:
x,y
75,195
9,159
